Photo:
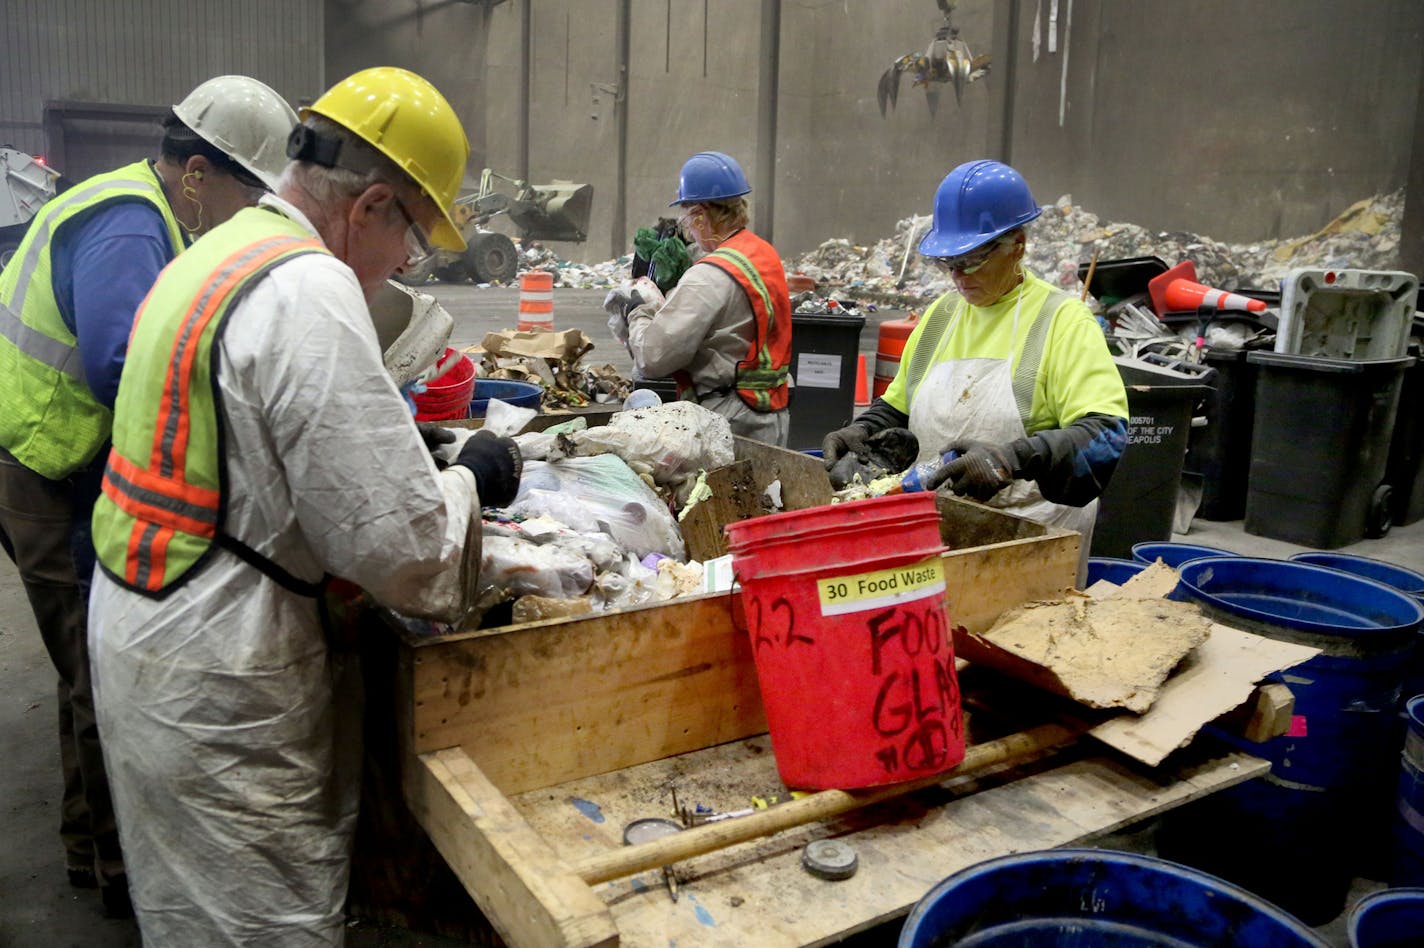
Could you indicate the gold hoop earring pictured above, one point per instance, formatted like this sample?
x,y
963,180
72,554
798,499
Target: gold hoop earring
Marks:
x,y
191,194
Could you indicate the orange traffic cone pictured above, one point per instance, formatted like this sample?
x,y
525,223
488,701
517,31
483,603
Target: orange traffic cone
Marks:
x,y
1178,291
862,390
536,300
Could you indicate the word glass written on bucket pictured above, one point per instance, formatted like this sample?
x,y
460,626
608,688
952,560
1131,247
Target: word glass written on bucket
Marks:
x,y
916,707
845,612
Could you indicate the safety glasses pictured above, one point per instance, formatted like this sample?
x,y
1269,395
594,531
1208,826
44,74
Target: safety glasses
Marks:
x,y
417,247
970,262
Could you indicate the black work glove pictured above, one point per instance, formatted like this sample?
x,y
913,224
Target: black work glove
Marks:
x,y
434,435
981,470
497,465
843,441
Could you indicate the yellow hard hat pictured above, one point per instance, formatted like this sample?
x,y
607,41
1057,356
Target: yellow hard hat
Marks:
x,y
406,119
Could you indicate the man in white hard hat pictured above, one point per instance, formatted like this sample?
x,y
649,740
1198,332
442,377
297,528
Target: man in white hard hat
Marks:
x,y
67,303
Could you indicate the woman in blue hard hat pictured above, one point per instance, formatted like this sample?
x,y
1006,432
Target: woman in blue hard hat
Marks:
x,y
725,331
1010,372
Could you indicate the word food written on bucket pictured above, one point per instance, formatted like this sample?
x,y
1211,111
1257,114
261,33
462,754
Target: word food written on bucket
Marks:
x,y
905,653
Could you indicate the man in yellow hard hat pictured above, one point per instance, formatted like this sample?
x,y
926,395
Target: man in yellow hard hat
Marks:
x,y
260,448
67,302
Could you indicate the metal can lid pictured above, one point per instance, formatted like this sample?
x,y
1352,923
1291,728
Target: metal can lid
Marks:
x,y
831,859
648,829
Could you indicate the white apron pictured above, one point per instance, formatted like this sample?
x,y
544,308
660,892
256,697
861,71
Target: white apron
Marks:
x,y
973,399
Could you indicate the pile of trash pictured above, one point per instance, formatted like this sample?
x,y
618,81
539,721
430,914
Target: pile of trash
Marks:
x,y
554,361
584,276
1365,236
595,523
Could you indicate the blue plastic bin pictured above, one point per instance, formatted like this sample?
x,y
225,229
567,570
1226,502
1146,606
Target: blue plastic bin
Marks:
x,y
1095,897
518,394
1173,554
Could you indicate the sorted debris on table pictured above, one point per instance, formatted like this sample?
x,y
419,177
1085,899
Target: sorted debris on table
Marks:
x,y
554,361
671,443
886,452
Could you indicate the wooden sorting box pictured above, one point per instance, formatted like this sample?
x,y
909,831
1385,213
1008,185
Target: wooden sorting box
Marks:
x,y
524,750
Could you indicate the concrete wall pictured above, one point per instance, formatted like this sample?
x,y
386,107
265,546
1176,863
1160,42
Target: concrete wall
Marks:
x,y
1240,119
141,53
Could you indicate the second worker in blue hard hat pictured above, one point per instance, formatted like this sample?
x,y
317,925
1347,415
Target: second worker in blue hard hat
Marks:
x,y
725,331
1007,370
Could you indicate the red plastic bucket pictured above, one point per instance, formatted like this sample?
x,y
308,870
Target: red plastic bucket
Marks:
x,y
447,395
845,608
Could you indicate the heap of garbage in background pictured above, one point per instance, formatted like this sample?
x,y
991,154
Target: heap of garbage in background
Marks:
x,y
1365,236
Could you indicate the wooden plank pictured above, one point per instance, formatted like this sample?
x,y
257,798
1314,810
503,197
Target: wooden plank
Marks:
x,y
547,702
530,897
734,497
982,582
1266,714
803,478
822,805
757,892
551,701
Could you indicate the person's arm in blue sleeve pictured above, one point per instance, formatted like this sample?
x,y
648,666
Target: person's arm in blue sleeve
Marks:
x,y
114,259
1072,465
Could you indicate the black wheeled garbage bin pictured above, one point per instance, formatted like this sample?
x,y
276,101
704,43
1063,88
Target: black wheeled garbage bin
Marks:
x,y
1405,470
1220,450
1319,448
824,351
1140,502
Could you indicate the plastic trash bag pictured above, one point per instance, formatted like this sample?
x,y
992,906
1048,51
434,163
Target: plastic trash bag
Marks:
x,y
672,441
516,567
600,494
624,298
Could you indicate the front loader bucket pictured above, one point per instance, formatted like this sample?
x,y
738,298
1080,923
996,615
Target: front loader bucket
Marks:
x,y
560,211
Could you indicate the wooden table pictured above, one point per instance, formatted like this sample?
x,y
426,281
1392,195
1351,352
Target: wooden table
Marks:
x,y
523,751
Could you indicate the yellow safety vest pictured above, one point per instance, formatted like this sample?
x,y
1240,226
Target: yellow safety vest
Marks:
x,y
49,419
162,507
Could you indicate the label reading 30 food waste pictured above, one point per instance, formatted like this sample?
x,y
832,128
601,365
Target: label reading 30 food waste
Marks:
x,y
886,587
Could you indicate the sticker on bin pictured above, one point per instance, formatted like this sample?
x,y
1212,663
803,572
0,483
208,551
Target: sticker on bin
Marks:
x,y
863,592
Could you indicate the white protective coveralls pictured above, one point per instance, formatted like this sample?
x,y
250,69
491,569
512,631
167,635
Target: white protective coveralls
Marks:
x,y
705,328
233,739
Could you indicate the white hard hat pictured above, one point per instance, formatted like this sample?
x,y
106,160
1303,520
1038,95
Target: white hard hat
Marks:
x,y
245,120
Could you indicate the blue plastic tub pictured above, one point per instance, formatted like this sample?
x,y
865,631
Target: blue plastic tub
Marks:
x,y
1096,897
1298,835
1292,596
1407,862
518,394
1111,569
1393,918
1173,554
1405,580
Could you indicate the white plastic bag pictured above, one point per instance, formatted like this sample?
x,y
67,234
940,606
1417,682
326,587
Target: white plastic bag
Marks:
x,y
673,441
518,567
624,298
600,494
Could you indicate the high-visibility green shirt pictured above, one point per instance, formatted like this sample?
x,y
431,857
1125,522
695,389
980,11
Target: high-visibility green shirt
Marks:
x,y
1076,375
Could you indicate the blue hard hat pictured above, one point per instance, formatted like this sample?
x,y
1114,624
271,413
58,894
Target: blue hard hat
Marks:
x,y
710,176
975,203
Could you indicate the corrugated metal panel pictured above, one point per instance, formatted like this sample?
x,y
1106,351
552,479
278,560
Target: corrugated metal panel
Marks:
x,y
147,52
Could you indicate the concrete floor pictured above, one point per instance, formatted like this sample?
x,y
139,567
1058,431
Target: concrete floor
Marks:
x,y
37,907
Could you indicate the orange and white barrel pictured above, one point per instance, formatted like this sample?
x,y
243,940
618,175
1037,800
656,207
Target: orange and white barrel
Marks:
x,y
536,300
889,348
